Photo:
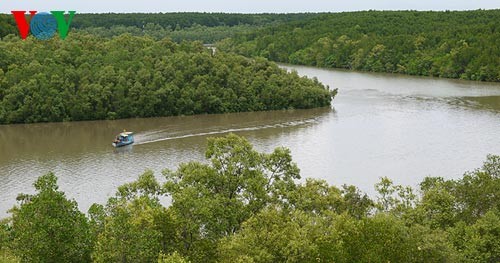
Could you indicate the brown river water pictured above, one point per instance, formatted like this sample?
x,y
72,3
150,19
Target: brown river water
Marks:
x,y
402,127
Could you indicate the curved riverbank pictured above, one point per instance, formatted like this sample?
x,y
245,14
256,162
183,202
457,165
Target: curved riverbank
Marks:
x,y
401,127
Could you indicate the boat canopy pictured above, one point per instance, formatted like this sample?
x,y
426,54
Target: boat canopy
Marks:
x,y
126,134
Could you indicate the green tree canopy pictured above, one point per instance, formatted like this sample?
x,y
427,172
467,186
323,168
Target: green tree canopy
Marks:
x,y
245,206
47,227
211,201
459,44
90,78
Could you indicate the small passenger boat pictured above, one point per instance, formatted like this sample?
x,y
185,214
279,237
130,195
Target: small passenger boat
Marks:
x,y
124,138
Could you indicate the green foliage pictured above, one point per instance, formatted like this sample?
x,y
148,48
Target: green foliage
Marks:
x,y
246,206
274,236
47,227
87,78
482,239
394,198
6,238
445,203
479,191
447,44
172,258
205,27
183,20
211,201
133,225
278,236
317,197
6,256
7,25
407,227
5,233
205,34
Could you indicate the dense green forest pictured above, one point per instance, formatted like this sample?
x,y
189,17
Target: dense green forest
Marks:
x,y
184,20
90,78
205,27
205,34
7,25
245,206
463,44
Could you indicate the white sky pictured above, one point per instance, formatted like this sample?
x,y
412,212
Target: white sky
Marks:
x,y
242,6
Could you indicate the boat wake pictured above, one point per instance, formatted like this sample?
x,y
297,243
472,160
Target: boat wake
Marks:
x,y
141,141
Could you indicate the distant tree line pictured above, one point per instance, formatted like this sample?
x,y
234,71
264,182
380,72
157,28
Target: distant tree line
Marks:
x,y
459,44
462,44
7,25
86,77
181,20
205,27
196,32
246,206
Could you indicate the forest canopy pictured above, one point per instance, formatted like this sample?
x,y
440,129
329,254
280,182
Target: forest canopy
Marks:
x,y
184,19
205,27
241,205
86,77
459,44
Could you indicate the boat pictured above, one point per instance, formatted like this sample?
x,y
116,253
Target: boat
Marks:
x,y
123,139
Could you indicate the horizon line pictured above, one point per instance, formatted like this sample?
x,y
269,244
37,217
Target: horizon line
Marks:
x,y
275,13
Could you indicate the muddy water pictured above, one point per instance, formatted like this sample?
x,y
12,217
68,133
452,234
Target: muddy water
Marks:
x,y
402,127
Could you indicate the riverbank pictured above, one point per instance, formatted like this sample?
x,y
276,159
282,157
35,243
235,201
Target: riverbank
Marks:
x,y
402,127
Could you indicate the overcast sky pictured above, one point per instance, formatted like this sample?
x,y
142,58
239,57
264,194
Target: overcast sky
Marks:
x,y
242,6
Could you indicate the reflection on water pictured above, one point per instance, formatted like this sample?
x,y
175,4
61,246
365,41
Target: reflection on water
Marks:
x,y
124,150
491,103
402,127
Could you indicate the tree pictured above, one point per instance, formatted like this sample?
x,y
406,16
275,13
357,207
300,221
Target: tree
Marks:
x,y
394,198
275,236
478,192
437,205
47,227
483,239
134,225
211,201
318,198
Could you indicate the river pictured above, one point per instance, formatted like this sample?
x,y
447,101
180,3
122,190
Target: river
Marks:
x,y
402,127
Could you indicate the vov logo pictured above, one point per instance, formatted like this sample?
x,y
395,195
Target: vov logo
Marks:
x,y
43,25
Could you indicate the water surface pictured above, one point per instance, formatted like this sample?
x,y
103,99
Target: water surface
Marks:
x,y
401,127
